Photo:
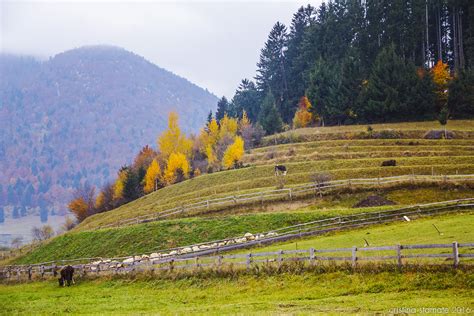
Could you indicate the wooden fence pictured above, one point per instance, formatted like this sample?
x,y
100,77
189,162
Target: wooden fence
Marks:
x,y
397,254
311,228
294,192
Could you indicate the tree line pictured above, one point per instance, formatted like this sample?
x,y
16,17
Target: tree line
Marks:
x,y
363,62
219,145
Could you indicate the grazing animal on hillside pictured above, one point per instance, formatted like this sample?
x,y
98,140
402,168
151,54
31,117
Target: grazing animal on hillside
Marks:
x,y
280,169
389,163
67,276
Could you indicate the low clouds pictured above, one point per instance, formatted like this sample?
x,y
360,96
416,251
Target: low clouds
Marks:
x,y
213,44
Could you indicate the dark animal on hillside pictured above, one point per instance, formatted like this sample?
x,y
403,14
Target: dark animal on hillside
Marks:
x,y
389,163
67,276
280,169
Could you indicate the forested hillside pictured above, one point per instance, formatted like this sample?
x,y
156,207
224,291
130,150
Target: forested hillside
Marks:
x,y
364,62
76,118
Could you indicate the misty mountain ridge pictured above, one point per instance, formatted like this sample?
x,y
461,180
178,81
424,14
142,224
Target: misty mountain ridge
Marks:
x,y
79,116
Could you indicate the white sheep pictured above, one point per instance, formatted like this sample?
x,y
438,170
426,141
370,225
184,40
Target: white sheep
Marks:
x,y
128,260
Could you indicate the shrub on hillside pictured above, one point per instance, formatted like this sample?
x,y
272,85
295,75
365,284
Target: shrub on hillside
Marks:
x,y
439,134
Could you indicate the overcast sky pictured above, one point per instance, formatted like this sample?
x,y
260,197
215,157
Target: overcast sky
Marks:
x,y
213,44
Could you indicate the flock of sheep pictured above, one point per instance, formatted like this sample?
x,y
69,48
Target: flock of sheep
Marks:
x,y
155,256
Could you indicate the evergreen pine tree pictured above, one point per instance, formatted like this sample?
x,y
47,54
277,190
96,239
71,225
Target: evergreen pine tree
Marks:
x,y
272,69
246,98
222,108
209,117
390,89
270,118
16,212
461,95
43,214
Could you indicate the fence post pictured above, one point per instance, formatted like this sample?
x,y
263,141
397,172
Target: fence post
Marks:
x,y
311,255
249,260
354,256
29,273
18,274
399,255
196,262
290,194
455,254
219,262
171,265
42,271
208,207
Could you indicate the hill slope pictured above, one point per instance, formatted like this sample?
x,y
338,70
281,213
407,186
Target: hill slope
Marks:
x,y
341,158
81,115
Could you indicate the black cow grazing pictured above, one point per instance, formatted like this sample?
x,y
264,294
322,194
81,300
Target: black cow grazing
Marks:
x,y
280,169
389,163
67,276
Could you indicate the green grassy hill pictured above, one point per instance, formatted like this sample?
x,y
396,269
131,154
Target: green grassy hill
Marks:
x,y
344,153
341,158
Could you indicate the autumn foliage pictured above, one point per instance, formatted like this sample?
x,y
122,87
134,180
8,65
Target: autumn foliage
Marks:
x,y
441,78
152,177
303,116
177,168
178,158
234,153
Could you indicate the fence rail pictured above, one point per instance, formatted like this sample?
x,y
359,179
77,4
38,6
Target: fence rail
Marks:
x,y
290,193
397,254
306,229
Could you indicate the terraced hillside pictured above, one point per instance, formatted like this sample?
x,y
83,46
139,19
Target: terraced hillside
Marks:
x,y
340,158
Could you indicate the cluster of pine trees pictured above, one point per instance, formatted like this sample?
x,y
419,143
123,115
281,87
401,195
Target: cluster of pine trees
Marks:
x,y
364,61
219,145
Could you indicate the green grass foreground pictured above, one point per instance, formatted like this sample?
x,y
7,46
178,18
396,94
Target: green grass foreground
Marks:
x,y
302,293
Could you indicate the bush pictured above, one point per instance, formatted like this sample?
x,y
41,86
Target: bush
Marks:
x,y
387,134
438,134
321,178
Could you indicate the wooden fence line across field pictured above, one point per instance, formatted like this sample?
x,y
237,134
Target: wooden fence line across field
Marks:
x,y
306,229
395,254
286,193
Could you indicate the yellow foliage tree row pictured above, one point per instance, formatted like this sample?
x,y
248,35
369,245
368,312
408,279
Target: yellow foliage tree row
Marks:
x,y
175,151
217,135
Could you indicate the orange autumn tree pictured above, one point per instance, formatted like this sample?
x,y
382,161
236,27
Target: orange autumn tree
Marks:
x,y
303,116
79,208
234,153
441,78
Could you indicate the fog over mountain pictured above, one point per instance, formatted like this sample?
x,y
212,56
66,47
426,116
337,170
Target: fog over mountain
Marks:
x,y
78,117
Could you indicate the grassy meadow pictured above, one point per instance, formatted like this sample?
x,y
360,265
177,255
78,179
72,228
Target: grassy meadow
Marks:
x,y
285,293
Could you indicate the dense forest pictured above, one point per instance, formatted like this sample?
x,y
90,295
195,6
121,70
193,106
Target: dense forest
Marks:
x,y
360,61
